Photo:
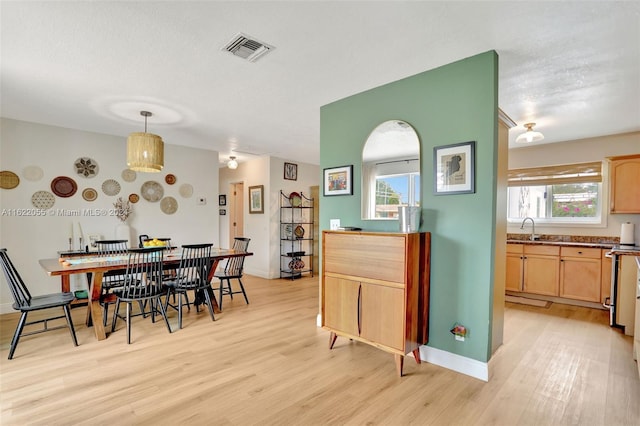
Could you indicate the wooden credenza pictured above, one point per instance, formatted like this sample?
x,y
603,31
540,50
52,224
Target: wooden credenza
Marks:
x,y
375,289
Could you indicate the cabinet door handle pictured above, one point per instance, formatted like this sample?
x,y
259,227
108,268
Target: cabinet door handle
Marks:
x,y
359,303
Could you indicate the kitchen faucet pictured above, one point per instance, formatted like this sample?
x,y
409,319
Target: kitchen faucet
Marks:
x,y
533,227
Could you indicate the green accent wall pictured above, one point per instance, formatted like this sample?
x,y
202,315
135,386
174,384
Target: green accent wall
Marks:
x,y
450,104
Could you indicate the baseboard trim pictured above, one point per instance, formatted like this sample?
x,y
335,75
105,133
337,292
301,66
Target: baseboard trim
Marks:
x,y
457,363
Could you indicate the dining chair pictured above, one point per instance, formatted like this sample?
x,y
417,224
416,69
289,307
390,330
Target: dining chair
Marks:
x,y
25,303
192,274
111,279
233,271
142,283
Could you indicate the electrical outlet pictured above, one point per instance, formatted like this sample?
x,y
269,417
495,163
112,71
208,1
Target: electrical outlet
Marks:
x,y
459,338
334,224
202,201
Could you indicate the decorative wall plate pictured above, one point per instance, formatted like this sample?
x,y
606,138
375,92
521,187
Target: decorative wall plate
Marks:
x,y
32,173
86,167
8,180
186,190
295,199
43,200
152,191
169,205
170,179
299,231
111,187
134,198
129,175
90,194
64,186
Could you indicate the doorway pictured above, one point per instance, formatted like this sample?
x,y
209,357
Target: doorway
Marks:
x,y
236,211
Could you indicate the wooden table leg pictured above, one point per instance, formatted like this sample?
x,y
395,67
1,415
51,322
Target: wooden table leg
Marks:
x,y
214,301
65,283
94,309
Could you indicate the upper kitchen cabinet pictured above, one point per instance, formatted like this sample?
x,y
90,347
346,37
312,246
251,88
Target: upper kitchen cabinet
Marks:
x,y
624,181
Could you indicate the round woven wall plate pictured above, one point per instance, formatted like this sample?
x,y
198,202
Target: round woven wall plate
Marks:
x,y
134,198
128,175
186,190
152,191
43,200
86,167
170,179
90,194
64,186
32,173
8,180
169,205
111,187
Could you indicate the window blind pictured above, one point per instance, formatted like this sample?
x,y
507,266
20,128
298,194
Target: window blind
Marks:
x,y
556,175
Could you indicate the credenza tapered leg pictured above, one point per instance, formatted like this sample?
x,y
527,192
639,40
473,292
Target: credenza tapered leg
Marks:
x,y
399,363
332,339
416,355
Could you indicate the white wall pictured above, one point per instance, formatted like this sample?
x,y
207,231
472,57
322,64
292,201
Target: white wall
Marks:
x,y
581,151
55,149
263,229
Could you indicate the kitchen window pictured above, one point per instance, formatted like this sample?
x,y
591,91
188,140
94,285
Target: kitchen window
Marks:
x,y
570,193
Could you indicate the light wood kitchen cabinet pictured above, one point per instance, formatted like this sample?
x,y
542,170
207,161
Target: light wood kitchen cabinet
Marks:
x,y
375,289
541,269
624,179
514,267
580,273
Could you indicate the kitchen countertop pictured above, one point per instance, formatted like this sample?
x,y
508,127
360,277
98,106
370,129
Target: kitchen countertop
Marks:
x,y
564,243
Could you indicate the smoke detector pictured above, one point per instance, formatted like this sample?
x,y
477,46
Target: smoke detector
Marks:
x,y
247,47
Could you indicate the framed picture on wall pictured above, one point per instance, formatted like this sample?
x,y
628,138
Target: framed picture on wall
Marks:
x,y
222,200
338,180
290,171
454,168
256,199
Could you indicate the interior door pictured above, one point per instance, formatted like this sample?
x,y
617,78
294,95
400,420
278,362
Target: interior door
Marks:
x,y
236,211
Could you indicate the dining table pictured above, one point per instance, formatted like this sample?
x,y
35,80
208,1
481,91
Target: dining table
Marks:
x,y
96,266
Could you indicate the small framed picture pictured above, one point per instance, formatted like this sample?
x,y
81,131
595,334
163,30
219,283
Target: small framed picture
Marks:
x,y
223,212
290,171
222,200
256,199
454,168
338,180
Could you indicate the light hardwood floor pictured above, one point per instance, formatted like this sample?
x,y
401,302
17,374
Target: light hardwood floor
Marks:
x,y
267,363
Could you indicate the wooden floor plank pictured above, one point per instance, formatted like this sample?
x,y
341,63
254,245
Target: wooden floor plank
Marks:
x,y
267,363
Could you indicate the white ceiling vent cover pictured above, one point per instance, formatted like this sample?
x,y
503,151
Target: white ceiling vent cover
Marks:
x,y
247,47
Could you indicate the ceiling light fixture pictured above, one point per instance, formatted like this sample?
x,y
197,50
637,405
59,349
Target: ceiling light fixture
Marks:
x,y
145,151
530,135
232,163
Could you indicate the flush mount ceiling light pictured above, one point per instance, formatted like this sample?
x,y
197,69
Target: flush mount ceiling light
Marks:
x,y
530,135
145,151
232,163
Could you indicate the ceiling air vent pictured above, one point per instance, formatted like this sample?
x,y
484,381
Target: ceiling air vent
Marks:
x,y
247,47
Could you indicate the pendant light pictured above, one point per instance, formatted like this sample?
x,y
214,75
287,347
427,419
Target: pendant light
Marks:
x,y
232,163
145,151
530,135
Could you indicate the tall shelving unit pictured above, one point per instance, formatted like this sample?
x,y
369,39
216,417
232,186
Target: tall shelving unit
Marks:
x,y
296,235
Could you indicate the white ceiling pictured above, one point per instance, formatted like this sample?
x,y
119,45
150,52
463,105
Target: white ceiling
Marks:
x,y
572,67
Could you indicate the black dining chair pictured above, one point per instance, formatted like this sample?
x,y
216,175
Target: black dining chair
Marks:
x,y
111,279
192,274
233,271
142,283
25,303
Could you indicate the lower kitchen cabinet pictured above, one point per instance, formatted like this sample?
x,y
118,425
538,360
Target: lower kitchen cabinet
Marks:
x,y
580,274
541,269
514,267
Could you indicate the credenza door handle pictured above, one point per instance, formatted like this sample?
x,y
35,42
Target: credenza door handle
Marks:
x,y
359,306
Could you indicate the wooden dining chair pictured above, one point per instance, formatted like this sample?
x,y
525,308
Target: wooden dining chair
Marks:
x,y
142,284
233,271
192,274
25,303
